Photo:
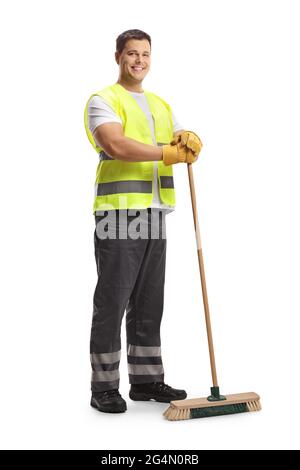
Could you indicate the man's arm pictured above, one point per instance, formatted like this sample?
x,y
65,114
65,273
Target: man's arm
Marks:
x,y
110,137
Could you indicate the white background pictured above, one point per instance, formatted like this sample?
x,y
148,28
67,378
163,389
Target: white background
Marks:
x,y
230,70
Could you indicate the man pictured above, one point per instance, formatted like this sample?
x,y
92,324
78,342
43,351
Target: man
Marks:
x,y
138,139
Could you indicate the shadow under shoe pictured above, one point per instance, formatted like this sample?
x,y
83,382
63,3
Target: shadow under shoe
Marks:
x,y
109,401
158,391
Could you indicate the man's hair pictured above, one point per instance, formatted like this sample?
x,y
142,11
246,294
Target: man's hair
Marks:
x,y
130,34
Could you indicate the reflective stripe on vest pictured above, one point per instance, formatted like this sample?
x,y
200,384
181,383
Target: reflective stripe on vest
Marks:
x,y
118,187
166,182
104,156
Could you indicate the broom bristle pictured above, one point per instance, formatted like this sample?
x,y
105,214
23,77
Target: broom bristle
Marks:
x,y
173,414
202,408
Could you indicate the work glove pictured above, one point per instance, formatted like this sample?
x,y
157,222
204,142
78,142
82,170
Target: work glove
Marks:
x,y
190,140
177,153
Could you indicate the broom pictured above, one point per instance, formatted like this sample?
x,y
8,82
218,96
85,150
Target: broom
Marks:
x,y
215,404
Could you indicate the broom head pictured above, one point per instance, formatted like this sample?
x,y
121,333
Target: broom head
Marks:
x,y
202,408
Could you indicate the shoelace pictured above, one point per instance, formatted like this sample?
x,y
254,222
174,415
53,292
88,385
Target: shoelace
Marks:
x,y
163,386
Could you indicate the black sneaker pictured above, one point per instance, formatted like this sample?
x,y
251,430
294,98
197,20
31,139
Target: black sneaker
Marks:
x,y
158,391
109,401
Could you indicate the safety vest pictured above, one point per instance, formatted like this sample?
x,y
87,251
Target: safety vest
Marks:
x,y
128,185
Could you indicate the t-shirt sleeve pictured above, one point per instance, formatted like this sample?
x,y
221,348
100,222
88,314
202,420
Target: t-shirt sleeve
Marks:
x,y
177,126
100,112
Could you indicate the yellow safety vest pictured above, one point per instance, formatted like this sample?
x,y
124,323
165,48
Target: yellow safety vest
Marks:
x,y
128,185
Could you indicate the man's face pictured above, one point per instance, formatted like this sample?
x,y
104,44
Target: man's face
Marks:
x,y
134,61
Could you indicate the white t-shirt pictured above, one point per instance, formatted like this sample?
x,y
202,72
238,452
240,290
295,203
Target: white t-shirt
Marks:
x,y
100,112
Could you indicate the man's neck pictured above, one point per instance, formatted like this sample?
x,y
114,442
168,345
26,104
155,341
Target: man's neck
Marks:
x,y
131,87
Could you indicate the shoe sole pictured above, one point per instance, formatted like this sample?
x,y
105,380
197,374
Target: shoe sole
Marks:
x,y
109,410
147,397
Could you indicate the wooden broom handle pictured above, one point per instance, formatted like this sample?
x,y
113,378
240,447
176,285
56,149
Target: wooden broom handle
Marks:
x,y
202,277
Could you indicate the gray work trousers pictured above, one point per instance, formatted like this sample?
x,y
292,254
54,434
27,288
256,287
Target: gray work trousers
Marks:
x,y
131,276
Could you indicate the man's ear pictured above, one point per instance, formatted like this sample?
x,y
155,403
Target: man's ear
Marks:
x,y
117,56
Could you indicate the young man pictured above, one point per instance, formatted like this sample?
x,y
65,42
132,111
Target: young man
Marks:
x,y
138,139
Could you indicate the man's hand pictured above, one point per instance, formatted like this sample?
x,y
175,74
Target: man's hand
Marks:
x,y
177,153
190,140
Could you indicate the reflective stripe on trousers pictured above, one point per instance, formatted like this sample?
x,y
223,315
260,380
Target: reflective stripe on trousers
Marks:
x,y
144,364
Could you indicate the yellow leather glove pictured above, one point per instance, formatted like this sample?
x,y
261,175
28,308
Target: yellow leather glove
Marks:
x,y
190,140
177,153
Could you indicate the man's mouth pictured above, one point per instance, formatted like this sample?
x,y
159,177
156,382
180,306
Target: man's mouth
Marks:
x,y
137,68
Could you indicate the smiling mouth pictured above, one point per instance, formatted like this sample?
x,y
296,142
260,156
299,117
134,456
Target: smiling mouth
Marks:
x,y
137,69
